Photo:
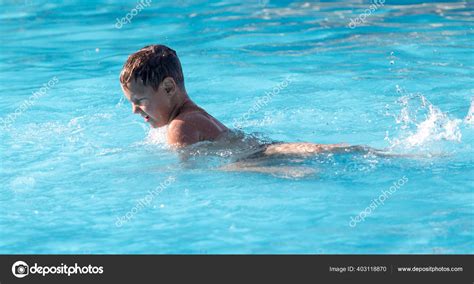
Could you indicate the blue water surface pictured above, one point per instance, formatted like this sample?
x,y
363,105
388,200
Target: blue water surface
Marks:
x,y
80,173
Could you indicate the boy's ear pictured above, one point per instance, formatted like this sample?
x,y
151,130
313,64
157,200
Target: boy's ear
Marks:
x,y
169,85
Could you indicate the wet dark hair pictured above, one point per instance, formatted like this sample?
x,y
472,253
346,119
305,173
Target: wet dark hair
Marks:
x,y
152,64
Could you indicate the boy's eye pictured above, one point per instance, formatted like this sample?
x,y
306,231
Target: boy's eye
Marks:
x,y
140,101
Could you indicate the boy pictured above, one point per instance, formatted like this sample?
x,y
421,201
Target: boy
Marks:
x,y
152,79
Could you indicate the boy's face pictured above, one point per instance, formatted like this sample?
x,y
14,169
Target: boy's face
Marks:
x,y
154,106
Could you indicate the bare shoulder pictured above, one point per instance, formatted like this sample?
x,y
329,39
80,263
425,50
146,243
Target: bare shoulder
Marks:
x,y
192,127
182,133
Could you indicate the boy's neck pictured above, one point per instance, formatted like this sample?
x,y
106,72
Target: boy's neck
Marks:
x,y
186,103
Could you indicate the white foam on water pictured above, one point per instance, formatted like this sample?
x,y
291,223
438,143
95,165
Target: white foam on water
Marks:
x,y
157,136
22,184
420,124
436,127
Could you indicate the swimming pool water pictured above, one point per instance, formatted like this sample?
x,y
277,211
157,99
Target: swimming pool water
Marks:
x,y
81,174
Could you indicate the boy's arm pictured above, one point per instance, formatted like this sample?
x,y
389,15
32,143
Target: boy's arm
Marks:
x,y
308,149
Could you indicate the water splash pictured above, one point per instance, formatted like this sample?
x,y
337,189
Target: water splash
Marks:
x,y
469,119
420,124
157,136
